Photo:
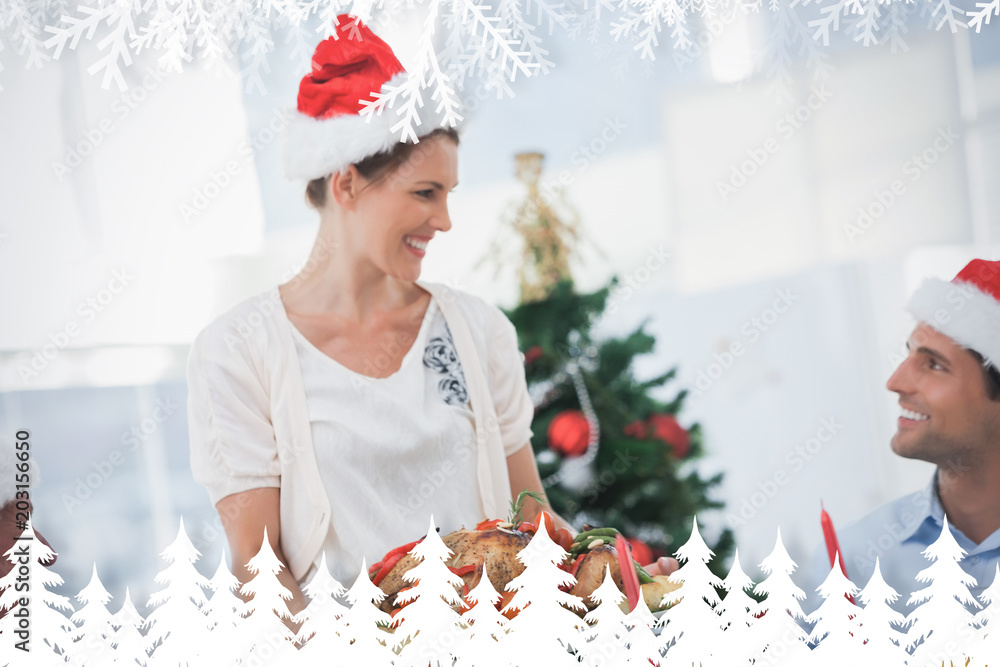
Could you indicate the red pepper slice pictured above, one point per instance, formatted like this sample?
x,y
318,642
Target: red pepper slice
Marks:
x,y
462,571
390,559
374,568
527,527
576,565
550,524
489,524
565,539
629,577
387,565
402,550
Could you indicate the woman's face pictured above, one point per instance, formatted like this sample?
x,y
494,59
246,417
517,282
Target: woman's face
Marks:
x,y
402,211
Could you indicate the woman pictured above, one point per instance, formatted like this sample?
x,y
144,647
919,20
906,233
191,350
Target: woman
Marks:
x,y
340,410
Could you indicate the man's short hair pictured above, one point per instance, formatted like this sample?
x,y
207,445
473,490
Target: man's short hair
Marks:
x,y
991,376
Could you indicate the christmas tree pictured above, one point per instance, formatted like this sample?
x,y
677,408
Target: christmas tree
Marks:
x,y
482,645
610,453
737,615
837,629
693,630
130,645
940,625
50,638
606,643
776,629
546,623
264,628
177,628
321,626
427,623
879,622
366,625
92,636
987,642
224,617
643,644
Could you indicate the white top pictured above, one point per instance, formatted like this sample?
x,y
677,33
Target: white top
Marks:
x,y
251,423
391,451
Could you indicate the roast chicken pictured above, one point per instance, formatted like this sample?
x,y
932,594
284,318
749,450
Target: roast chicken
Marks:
x,y
498,549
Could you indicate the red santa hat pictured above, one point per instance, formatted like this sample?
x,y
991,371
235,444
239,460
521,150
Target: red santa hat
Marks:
x,y
967,309
327,132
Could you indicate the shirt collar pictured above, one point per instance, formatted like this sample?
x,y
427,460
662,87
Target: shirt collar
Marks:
x,y
928,499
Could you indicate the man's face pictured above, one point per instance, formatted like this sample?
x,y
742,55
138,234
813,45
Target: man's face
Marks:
x,y
947,417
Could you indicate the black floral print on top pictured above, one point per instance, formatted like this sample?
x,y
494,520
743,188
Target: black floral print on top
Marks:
x,y
440,357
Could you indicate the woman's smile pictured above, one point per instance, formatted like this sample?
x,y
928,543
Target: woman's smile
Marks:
x,y
417,244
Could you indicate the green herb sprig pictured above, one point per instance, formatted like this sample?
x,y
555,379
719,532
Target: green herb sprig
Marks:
x,y
515,515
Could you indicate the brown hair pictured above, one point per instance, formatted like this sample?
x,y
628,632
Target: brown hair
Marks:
x,y
991,376
375,167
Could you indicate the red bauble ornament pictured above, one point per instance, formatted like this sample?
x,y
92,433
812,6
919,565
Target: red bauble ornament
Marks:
x,y
665,427
569,433
641,551
637,429
533,354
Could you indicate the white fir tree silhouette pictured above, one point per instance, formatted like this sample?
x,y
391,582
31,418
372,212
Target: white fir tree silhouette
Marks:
x,y
605,642
321,625
942,620
51,638
884,644
545,624
643,644
176,628
364,623
736,618
224,618
130,645
264,629
429,620
483,644
837,626
692,630
93,634
9,595
28,649
782,639
986,647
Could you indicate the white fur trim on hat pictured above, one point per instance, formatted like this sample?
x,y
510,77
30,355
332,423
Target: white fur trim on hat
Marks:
x,y
7,471
313,147
961,311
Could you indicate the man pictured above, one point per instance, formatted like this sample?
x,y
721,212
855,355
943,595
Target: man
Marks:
x,y
949,399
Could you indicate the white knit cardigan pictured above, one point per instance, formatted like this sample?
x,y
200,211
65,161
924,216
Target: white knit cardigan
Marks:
x,y
265,403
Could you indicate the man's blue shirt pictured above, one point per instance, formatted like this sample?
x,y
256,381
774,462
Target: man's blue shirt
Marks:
x,y
897,533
